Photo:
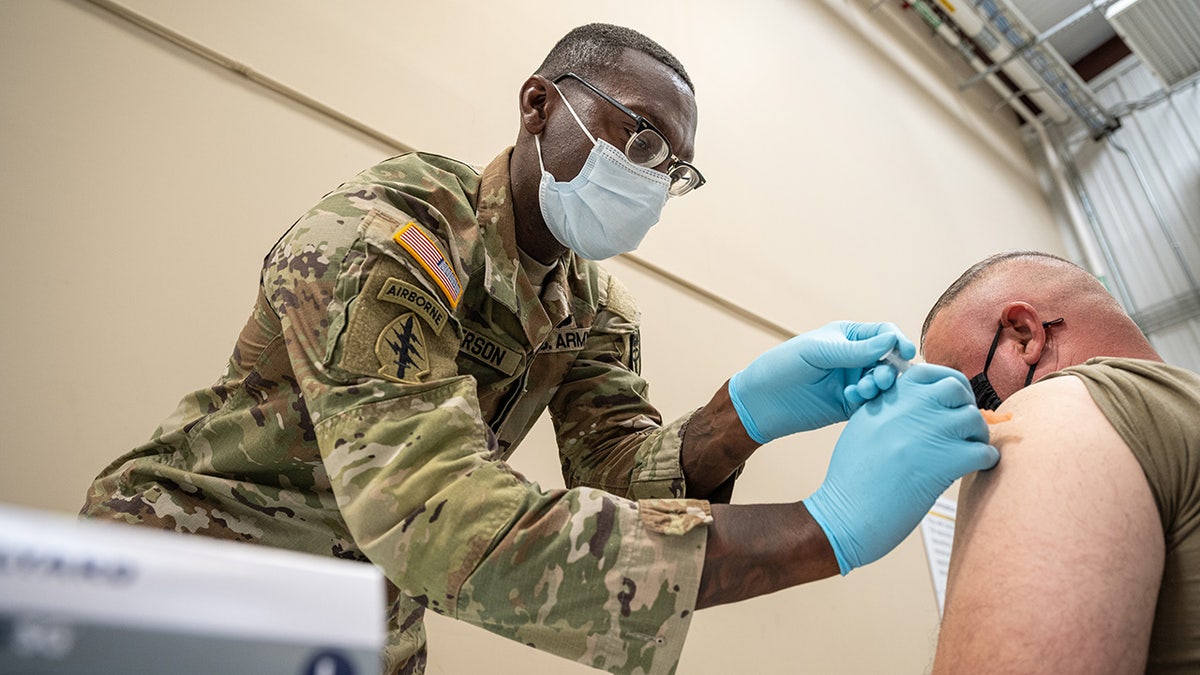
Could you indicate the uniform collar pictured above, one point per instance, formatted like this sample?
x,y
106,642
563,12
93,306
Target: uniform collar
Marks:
x,y
503,279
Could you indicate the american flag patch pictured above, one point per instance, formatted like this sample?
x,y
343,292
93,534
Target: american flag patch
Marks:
x,y
417,243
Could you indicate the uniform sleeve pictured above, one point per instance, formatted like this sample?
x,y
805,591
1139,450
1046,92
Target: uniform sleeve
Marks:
x,y
580,573
609,434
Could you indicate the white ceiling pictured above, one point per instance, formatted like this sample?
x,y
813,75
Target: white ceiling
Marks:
x,y
1073,42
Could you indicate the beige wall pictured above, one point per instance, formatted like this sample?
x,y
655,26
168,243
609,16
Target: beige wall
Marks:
x,y
848,178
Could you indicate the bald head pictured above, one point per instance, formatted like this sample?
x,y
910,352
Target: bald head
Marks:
x,y
1016,294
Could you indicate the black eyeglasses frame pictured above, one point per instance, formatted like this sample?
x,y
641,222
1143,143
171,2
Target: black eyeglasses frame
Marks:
x,y
674,162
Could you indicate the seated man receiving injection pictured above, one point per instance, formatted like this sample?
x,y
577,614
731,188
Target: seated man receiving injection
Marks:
x,y
1080,551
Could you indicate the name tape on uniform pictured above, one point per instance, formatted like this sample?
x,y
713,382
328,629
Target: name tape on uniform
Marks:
x,y
489,352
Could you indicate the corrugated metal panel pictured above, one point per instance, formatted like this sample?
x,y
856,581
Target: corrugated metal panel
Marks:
x,y
1144,184
1165,34
1178,344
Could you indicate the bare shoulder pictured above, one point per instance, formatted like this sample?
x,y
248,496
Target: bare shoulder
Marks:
x,y
1054,436
1053,416
1058,550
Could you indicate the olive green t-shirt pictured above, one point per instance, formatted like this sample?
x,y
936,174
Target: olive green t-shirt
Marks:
x,y
1155,408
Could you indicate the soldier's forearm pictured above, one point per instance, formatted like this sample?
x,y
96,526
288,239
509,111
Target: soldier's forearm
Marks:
x,y
755,549
715,444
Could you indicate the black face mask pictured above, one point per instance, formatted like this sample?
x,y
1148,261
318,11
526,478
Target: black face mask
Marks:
x,y
985,396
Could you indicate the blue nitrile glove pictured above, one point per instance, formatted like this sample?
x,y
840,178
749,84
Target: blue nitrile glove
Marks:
x,y
802,384
896,455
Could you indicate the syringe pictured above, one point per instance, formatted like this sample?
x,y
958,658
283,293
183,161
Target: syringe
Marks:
x,y
894,360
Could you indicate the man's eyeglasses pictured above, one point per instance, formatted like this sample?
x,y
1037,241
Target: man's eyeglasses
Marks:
x,y
648,147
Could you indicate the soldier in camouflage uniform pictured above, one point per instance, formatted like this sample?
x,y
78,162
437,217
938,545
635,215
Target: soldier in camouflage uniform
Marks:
x,y
408,332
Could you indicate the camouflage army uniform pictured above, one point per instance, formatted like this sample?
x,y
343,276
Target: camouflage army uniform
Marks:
x,y
396,355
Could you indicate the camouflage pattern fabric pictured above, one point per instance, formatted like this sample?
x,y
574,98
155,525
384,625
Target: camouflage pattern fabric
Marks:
x,y
395,357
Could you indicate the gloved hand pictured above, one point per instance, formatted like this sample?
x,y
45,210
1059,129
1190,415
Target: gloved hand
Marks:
x,y
897,454
815,379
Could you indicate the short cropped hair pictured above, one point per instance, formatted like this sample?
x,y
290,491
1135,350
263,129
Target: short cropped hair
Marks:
x,y
977,272
593,49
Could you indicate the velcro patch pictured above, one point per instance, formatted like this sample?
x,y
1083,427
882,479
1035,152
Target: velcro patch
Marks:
x,y
426,251
565,340
489,352
410,296
401,350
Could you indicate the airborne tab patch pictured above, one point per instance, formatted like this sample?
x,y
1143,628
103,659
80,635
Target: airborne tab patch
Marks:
x,y
407,295
401,350
426,251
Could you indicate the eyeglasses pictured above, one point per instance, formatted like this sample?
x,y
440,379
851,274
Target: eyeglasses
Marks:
x,y
648,147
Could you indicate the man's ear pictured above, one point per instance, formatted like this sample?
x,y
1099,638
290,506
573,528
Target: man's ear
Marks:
x,y
533,104
1021,319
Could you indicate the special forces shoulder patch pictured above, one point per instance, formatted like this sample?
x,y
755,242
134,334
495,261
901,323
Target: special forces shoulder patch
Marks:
x,y
401,350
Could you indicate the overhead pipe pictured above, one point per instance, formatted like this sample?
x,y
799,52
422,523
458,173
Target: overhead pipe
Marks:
x,y
1005,57
1101,266
1020,53
920,76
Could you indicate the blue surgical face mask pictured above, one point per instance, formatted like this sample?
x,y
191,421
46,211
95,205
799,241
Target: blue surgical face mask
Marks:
x,y
609,207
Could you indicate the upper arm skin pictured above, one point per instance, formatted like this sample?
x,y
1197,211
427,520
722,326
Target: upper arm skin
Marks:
x,y
1058,551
